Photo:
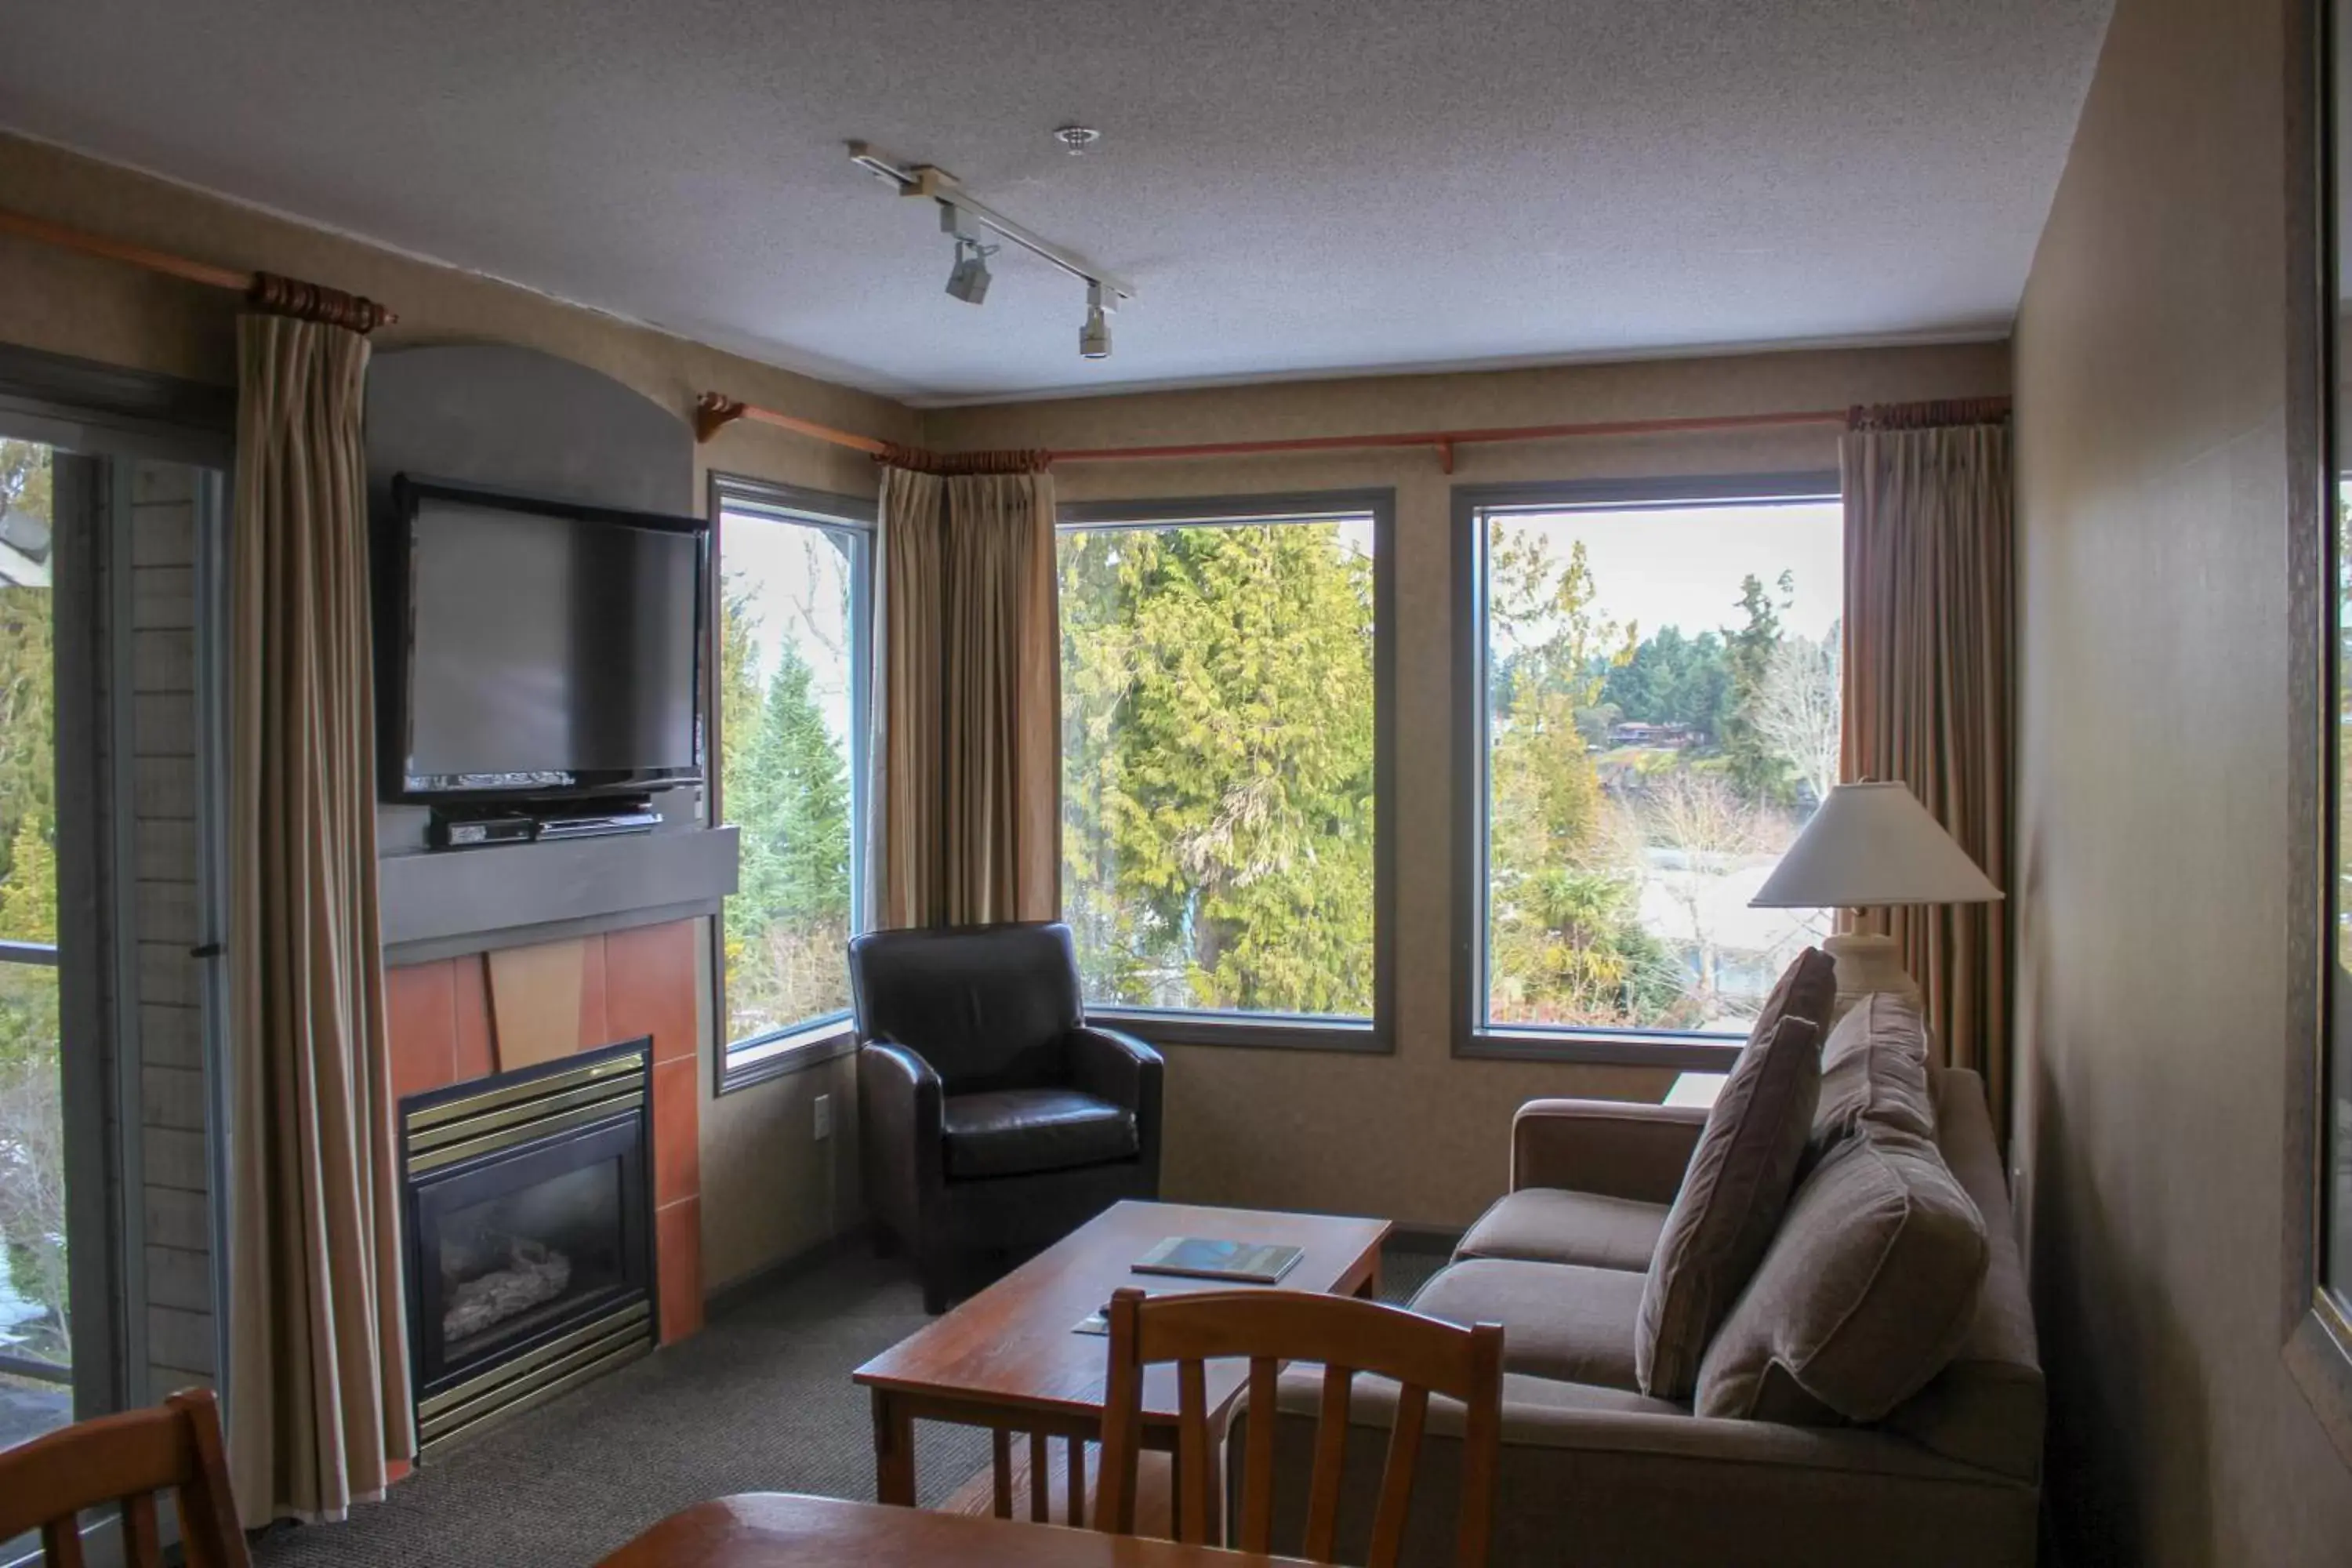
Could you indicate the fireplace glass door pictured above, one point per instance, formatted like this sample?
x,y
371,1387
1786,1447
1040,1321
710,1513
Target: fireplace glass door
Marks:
x,y
517,1249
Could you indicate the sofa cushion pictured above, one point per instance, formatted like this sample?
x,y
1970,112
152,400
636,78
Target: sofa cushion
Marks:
x,y
1559,1319
1987,1406
1547,1224
1739,1181
1015,1131
1865,1294
1874,1069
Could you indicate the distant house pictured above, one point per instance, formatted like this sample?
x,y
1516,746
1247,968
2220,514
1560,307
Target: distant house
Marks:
x,y
1674,737
24,549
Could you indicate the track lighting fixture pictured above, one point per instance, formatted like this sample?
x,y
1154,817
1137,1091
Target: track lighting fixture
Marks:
x,y
969,279
1093,337
968,220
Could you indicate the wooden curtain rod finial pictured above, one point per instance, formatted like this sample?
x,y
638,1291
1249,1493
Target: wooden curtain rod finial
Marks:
x,y
713,412
316,303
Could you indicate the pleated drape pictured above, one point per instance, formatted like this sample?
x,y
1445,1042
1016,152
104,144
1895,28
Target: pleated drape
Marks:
x,y
1928,639
967,650
318,1399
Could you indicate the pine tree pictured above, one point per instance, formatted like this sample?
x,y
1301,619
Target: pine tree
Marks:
x,y
738,723
29,895
1758,769
1217,709
805,793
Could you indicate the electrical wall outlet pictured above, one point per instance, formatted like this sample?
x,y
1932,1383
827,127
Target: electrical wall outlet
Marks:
x,y
824,1116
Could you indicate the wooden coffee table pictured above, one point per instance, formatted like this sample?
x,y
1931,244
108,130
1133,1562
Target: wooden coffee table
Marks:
x,y
1010,1359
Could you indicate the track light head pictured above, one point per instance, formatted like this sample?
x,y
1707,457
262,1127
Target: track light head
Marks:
x,y
969,281
1093,337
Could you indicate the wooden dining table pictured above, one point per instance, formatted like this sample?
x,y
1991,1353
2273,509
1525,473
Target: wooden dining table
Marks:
x,y
785,1530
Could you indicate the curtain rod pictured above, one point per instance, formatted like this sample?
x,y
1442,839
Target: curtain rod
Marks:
x,y
714,413
284,296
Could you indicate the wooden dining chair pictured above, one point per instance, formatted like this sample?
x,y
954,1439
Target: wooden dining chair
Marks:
x,y
127,1458
1268,1328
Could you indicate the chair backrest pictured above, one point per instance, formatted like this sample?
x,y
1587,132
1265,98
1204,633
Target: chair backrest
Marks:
x,y
1270,1327
127,1458
988,1007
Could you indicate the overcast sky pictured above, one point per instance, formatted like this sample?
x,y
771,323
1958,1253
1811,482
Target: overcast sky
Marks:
x,y
1682,568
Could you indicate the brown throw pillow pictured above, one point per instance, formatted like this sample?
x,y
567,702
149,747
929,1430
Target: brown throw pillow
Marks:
x,y
1738,1182
1874,1070
1868,1290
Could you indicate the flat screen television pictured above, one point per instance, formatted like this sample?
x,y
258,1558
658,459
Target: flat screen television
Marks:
x,y
536,650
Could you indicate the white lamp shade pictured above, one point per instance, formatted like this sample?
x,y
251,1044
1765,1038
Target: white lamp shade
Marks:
x,y
1872,844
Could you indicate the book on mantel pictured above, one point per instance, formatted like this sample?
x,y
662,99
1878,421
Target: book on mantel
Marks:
x,y
1205,1258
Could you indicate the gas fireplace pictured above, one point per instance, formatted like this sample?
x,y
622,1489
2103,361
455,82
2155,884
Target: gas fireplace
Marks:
x,y
529,1250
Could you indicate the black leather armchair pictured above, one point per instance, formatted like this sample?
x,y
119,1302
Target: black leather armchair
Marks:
x,y
993,1119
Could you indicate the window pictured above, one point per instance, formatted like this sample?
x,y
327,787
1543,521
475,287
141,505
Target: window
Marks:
x,y
1648,712
2327,1246
793,591
36,1340
1222,756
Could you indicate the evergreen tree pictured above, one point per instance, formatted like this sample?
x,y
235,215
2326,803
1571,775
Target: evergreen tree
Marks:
x,y
28,895
738,724
1672,678
1758,769
1218,709
797,799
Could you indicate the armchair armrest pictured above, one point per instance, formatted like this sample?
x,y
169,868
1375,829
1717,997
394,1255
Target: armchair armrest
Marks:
x,y
901,1127
1611,1148
890,1071
1114,1067
1122,1069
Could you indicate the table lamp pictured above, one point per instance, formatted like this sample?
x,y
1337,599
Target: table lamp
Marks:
x,y
1869,846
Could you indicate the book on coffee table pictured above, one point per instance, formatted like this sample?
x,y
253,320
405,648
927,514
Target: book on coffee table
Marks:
x,y
1205,1258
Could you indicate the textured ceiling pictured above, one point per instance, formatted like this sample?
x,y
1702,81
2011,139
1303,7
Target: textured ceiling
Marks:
x,y
1294,187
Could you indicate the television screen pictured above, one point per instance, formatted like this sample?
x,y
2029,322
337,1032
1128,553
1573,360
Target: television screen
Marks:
x,y
546,650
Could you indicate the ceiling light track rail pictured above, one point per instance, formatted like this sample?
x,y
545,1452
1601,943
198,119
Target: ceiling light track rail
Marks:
x,y
923,179
266,290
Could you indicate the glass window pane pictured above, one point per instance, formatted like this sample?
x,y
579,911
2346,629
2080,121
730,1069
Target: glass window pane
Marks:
x,y
1217,783
35,1313
791,645
1662,717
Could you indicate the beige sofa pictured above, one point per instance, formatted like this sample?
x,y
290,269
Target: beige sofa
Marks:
x,y
1593,1471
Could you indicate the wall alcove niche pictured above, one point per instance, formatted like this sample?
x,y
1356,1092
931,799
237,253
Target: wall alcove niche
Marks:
x,y
511,959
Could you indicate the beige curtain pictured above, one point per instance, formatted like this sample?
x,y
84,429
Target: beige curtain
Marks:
x,y
319,1398
967,716
1928,693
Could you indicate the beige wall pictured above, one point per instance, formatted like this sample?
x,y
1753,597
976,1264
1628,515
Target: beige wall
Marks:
x,y
768,1189
1420,1136
2153,809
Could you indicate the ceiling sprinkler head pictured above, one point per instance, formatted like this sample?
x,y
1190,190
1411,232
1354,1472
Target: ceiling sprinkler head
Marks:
x,y
1077,139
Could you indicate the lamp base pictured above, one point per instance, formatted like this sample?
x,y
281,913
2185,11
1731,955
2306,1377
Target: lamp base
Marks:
x,y
1868,964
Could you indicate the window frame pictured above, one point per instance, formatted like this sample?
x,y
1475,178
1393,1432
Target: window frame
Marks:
x,y
1473,1035
1278,1031
798,1046
2315,1329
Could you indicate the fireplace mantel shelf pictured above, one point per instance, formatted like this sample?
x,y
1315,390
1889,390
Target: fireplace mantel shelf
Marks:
x,y
450,902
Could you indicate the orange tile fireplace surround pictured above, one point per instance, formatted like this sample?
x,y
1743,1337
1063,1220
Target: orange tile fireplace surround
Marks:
x,y
453,1019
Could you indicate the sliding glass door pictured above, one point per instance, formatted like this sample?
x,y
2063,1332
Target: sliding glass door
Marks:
x,y
37,1317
